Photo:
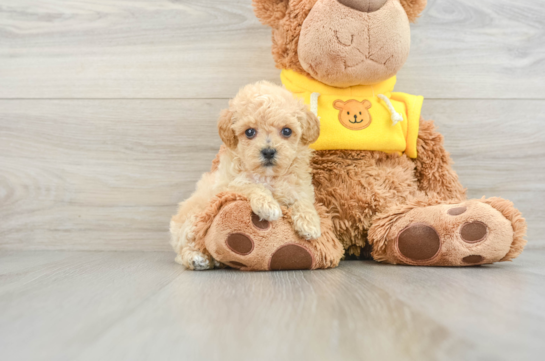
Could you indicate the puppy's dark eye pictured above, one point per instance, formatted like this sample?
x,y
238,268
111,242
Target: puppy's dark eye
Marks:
x,y
250,133
286,132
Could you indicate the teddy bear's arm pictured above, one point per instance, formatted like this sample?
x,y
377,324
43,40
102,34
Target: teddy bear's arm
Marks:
x,y
433,165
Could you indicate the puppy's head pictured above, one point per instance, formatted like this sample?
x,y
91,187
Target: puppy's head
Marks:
x,y
266,127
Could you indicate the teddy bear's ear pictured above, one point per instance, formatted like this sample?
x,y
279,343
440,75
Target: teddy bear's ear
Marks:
x,y
338,104
310,126
367,104
225,129
270,12
413,8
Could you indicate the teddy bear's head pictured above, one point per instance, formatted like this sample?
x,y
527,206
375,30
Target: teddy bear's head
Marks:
x,y
341,42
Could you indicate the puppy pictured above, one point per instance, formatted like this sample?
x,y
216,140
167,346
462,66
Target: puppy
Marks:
x,y
265,157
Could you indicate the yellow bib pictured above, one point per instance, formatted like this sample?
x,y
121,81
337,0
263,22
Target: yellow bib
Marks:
x,y
358,117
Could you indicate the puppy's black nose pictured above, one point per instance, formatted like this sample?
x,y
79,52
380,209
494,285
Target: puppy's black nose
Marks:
x,y
268,153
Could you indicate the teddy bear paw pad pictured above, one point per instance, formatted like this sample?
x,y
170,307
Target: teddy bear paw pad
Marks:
x,y
474,232
291,257
457,211
474,259
419,242
240,243
235,264
259,223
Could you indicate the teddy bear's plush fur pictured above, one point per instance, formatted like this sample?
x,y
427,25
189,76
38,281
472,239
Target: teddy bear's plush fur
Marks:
x,y
228,231
406,210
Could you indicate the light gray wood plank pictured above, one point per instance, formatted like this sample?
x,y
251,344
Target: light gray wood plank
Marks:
x,y
58,305
489,305
107,174
54,304
195,49
100,172
130,49
477,49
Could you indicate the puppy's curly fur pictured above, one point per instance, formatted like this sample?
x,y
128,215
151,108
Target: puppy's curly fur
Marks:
x,y
265,158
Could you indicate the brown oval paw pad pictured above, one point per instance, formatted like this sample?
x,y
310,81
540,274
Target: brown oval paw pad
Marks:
x,y
237,264
418,242
260,223
290,257
474,232
473,259
240,243
457,211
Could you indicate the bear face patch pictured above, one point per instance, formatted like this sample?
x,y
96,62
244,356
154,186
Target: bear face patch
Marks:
x,y
353,114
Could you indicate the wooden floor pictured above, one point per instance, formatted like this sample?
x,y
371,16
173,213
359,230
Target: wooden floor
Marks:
x,y
67,305
108,113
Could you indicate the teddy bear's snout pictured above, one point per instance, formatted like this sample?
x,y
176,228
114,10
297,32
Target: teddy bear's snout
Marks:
x,y
366,6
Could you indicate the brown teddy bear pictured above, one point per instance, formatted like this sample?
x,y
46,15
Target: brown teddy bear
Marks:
x,y
385,188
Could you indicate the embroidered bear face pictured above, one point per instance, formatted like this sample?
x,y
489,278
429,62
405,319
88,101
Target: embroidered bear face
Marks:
x,y
353,114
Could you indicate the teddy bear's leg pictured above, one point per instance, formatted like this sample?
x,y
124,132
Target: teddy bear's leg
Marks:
x,y
232,234
437,227
425,233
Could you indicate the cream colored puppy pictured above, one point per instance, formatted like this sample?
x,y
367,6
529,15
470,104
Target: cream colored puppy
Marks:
x,y
265,157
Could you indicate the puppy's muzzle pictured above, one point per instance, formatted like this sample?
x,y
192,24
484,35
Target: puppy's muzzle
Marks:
x,y
268,155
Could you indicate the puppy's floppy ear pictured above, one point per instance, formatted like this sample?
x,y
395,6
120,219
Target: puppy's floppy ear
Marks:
x,y
225,129
270,12
413,8
310,126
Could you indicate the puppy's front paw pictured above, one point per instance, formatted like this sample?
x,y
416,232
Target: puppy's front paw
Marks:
x,y
307,225
267,209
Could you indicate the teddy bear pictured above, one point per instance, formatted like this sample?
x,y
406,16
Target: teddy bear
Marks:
x,y
384,183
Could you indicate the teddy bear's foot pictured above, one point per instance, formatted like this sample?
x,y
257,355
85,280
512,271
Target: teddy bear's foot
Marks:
x,y
237,237
471,233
